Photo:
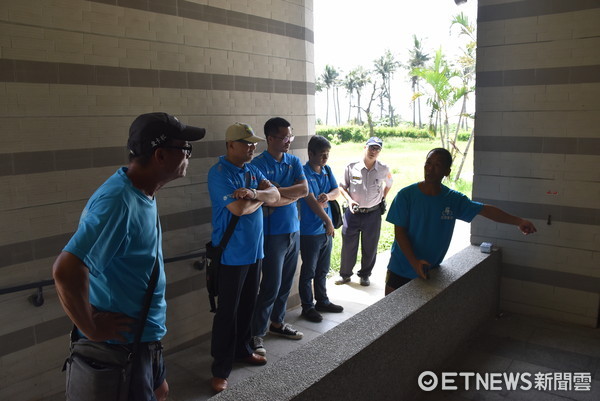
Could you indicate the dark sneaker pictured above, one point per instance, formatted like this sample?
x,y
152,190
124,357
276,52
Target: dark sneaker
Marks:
x,y
257,345
312,315
365,282
342,280
329,307
286,331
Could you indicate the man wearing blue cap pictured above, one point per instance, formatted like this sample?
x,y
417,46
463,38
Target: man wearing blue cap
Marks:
x,y
365,185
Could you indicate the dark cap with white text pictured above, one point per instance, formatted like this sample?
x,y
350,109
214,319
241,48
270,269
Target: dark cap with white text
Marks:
x,y
149,131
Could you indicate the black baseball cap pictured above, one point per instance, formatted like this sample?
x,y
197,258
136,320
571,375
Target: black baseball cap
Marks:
x,y
149,131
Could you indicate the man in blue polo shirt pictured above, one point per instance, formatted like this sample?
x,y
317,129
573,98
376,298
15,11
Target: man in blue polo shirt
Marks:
x,y
282,236
317,231
238,188
424,215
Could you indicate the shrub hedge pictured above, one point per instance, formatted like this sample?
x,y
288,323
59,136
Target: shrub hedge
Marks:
x,y
356,133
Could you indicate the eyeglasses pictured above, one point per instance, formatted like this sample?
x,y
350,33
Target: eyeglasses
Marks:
x,y
286,139
187,149
374,148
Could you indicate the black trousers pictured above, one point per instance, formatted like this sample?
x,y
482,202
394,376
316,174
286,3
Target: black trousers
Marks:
x,y
238,287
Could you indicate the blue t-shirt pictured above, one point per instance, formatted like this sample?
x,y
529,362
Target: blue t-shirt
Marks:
x,y
310,223
245,246
287,172
428,222
117,241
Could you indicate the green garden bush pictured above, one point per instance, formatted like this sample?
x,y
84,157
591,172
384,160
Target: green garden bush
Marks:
x,y
356,133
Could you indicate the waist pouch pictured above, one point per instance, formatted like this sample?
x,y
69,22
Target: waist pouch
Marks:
x,y
98,371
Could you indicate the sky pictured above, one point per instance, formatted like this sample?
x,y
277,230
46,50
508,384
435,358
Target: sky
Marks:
x,y
351,33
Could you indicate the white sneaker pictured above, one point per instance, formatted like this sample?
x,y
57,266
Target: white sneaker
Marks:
x,y
256,343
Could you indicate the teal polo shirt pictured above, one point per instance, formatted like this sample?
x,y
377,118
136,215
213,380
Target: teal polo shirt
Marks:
x,y
429,224
119,239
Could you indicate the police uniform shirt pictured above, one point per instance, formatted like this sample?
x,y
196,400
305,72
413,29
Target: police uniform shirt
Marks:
x,y
365,186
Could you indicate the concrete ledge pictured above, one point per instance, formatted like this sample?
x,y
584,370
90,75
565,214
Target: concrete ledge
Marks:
x,y
379,353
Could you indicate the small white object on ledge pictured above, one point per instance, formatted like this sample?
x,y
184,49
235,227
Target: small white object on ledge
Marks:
x,y
486,247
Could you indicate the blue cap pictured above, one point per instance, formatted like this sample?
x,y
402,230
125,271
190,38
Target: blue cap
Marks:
x,y
375,141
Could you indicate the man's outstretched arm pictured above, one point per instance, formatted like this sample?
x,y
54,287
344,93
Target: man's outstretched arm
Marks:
x,y
498,215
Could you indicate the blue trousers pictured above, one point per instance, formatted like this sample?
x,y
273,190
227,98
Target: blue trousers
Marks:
x,y
238,286
316,259
278,269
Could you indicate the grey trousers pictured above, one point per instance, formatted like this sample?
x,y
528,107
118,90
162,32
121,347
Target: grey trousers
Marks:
x,y
365,227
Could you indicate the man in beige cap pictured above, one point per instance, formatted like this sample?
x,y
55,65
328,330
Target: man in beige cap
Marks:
x,y
237,188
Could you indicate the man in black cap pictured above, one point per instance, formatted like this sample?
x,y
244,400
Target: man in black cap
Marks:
x,y
103,272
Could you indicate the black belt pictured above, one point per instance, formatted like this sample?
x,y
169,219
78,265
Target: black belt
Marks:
x,y
368,209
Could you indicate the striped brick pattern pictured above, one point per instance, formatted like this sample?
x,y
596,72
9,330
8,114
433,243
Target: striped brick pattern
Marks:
x,y
73,75
537,151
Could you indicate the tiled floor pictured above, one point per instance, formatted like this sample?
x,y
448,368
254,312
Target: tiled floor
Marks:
x,y
518,344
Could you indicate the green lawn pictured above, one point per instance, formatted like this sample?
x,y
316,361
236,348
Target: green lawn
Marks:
x,y
406,158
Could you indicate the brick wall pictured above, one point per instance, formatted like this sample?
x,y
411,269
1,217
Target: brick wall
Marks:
x,y
537,151
73,75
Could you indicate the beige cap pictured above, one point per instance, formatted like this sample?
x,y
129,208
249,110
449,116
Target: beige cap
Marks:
x,y
241,131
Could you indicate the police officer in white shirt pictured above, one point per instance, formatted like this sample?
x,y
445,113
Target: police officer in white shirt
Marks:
x,y
365,185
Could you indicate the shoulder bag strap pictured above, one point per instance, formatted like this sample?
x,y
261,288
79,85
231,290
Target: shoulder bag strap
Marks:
x,y
233,222
149,292
229,231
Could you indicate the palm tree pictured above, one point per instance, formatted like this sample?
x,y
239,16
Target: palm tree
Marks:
x,y
319,85
328,78
368,109
355,81
417,60
444,94
363,77
466,62
336,90
467,75
385,66
466,28
349,84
